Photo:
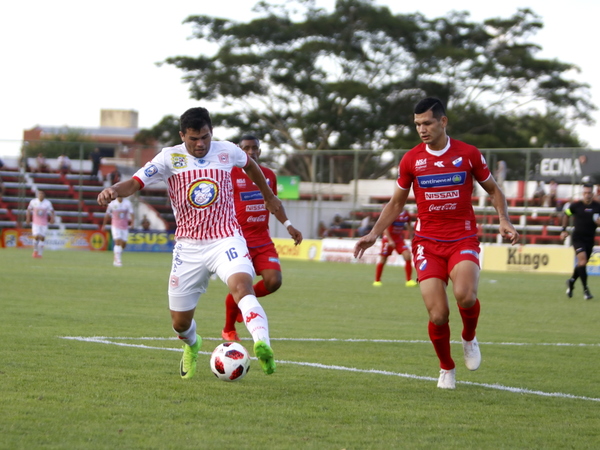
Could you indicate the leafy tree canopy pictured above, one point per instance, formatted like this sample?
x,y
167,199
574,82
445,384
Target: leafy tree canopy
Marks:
x,y
349,78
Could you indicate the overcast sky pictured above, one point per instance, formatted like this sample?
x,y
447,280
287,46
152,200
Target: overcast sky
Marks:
x,y
63,60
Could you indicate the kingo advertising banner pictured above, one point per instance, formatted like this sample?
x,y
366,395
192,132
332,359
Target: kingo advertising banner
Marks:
x,y
528,258
58,239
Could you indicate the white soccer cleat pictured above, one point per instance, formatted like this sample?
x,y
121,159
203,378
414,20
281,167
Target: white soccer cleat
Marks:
x,y
447,379
472,354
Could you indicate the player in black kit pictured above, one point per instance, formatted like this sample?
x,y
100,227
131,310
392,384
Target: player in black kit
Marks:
x,y
586,215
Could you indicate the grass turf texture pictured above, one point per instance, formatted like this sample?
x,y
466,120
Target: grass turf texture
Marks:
x,y
59,393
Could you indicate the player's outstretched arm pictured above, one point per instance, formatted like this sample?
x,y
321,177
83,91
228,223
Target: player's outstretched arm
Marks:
x,y
387,216
121,189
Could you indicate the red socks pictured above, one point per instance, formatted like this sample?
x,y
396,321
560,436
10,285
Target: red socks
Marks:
x,y
469,316
408,270
378,271
440,337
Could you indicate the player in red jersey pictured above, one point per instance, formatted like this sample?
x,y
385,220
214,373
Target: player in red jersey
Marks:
x,y
441,171
208,236
254,220
393,240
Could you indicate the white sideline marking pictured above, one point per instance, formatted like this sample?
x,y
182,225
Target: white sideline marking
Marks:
x,y
109,340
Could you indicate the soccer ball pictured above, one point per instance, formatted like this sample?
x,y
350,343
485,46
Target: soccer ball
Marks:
x,y
230,361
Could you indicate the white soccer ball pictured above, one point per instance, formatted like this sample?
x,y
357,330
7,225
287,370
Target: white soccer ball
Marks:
x,y
230,361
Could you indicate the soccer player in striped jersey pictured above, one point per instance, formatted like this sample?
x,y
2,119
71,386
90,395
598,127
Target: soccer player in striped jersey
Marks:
x,y
208,236
441,171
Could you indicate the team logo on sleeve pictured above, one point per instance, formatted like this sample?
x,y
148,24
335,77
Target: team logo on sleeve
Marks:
x,y
202,193
179,161
150,170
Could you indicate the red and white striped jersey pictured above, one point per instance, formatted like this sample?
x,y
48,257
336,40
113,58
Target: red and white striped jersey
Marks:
x,y
200,189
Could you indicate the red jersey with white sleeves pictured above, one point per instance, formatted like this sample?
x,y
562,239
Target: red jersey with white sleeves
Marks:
x,y
40,210
396,229
200,189
250,208
442,181
121,212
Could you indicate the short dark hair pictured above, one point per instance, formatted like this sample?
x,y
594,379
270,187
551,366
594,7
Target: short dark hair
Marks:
x,y
249,137
432,104
588,185
195,119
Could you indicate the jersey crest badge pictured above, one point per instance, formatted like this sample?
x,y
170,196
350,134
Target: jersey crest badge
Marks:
x,y
457,162
179,161
224,158
202,193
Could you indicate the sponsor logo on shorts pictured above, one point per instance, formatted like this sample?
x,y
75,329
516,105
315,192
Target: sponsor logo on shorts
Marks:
x,y
445,195
470,252
174,281
203,192
178,161
442,180
423,265
150,170
273,260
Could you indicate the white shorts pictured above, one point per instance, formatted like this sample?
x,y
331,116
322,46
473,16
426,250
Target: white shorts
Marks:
x,y
195,261
39,230
119,233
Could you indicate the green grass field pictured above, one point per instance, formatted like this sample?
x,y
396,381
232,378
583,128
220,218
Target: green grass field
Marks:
x,y
355,369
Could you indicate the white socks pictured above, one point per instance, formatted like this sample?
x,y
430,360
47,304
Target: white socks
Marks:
x,y
255,318
117,249
188,337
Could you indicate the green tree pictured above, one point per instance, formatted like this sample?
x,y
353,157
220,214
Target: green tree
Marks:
x,y
348,79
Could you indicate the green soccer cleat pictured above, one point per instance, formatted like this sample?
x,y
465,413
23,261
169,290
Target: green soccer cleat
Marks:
x,y
264,353
187,367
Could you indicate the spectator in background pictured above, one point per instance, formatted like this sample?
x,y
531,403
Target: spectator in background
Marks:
x,y
552,190
539,195
40,163
335,228
39,213
366,225
145,223
64,164
96,158
2,188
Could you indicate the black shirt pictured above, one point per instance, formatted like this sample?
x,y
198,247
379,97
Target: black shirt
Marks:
x,y
583,215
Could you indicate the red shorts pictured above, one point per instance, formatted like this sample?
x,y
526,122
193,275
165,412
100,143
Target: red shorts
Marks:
x,y
265,257
387,249
436,259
